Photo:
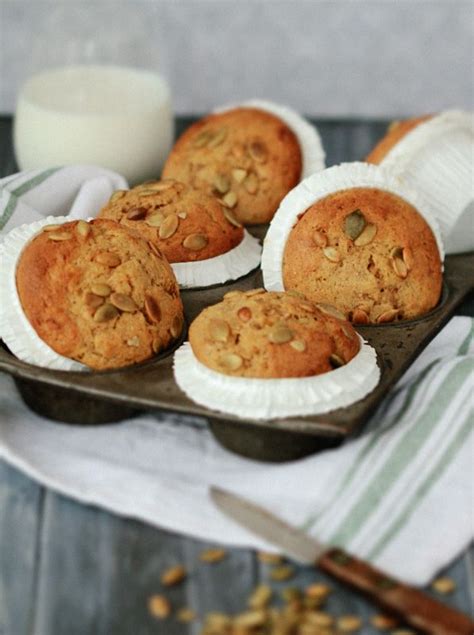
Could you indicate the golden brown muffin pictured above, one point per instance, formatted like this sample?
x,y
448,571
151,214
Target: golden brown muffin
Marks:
x,y
366,251
395,132
96,292
185,225
247,157
260,334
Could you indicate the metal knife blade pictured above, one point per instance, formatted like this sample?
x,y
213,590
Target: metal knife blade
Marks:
x,y
292,541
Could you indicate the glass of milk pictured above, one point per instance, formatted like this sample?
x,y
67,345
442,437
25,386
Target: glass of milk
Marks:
x,y
114,117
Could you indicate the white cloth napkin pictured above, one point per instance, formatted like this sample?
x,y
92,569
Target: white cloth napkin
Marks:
x,y
400,495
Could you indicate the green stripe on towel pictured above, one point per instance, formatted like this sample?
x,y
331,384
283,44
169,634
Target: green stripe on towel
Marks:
x,y
414,439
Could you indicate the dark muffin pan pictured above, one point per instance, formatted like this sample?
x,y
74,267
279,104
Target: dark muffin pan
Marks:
x,y
92,398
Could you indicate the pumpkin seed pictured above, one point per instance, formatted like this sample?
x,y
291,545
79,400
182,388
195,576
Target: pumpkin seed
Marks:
x,y
400,267
217,138
152,309
155,249
443,585
336,360
83,228
182,215
349,623
168,227
317,590
231,361
261,597
186,615
117,195
332,254
108,258
239,174
155,220
51,228
202,139
231,218
383,622
195,242
407,255
284,572
212,555
269,558
251,183
253,292
329,309
159,606
93,301
280,334
250,620
359,316
387,316
258,151
366,237
173,575
176,326
244,314
105,313
230,199
221,183
320,239
320,618
59,236
144,192
219,330
354,224
138,213
298,345
101,289
160,186
123,302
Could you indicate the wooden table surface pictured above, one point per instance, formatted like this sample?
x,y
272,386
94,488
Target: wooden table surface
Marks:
x,y
71,569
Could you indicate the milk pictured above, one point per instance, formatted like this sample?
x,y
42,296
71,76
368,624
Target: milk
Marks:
x,y
118,118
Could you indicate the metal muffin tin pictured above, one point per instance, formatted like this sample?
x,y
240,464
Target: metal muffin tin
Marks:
x,y
93,398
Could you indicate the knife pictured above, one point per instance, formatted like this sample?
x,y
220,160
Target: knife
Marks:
x,y
408,603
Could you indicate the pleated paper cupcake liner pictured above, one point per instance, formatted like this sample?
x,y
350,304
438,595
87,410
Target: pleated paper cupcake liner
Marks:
x,y
437,158
232,265
15,328
251,398
318,186
312,151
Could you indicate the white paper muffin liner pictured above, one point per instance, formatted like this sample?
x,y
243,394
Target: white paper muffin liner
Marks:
x,y
229,266
317,187
250,398
312,151
15,328
437,157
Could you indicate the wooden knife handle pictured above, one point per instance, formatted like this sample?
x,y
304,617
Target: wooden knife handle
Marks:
x,y
411,605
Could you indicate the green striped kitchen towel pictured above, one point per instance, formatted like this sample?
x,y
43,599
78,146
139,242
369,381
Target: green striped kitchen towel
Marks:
x,y
400,495
78,190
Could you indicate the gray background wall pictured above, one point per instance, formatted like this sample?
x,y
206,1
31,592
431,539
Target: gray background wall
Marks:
x,y
337,58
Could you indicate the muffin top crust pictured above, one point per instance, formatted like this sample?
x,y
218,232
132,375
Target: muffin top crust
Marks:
x,y
97,292
366,251
396,131
271,335
247,157
184,224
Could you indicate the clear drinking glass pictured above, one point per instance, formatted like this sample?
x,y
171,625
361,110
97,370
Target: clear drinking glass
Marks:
x,y
115,117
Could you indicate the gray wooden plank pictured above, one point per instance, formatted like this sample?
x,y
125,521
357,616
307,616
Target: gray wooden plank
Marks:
x,y
20,524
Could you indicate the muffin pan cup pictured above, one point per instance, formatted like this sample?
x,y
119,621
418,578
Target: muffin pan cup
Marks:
x,y
92,398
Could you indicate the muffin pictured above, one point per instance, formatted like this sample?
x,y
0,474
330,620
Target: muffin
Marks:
x,y
96,293
395,132
184,224
354,238
249,156
434,155
263,354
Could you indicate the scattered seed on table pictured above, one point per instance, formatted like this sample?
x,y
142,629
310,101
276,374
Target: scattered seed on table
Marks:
x,y
212,555
260,597
173,575
444,585
383,622
281,573
349,623
185,615
269,558
159,606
